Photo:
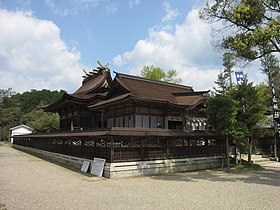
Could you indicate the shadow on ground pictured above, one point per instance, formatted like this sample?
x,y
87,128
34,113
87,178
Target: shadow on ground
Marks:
x,y
269,177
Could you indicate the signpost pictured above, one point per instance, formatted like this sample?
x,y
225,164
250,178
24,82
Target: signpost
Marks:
x,y
97,166
85,166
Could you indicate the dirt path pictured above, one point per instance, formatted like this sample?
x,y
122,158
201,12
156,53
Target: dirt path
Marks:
x,y
27,182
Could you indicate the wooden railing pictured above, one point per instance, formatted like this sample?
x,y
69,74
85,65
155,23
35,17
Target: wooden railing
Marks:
x,y
119,148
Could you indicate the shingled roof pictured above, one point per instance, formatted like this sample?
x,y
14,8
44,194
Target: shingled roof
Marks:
x,y
93,86
150,90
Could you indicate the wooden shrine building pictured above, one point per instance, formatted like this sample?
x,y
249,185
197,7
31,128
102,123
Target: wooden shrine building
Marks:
x,y
139,126
130,102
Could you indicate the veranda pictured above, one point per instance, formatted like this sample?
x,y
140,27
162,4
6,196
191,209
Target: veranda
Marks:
x,y
130,152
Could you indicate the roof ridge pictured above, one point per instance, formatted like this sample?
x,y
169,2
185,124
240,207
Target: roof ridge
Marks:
x,y
89,78
151,80
103,75
21,125
194,93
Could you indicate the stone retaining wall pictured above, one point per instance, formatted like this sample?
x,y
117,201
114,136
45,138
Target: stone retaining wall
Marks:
x,y
65,160
128,169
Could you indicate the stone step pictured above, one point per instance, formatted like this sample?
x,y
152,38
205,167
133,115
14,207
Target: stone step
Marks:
x,y
258,159
261,160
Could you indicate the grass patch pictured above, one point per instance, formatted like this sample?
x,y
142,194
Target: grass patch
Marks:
x,y
247,167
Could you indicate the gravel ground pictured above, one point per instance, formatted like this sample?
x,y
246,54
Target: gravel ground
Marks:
x,y
27,182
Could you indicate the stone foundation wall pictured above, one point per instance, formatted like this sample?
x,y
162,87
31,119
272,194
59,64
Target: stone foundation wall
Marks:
x,y
142,168
64,160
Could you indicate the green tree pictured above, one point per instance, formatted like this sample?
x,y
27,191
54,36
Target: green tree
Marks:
x,y
239,112
23,108
10,112
252,25
6,93
156,73
9,117
30,100
250,109
41,121
221,111
270,67
224,81
222,84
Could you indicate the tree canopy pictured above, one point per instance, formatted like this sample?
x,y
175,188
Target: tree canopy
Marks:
x,y
36,98
41,121
25,108
224,81
238,110
270,67
252,26
156,73
251,103
221,111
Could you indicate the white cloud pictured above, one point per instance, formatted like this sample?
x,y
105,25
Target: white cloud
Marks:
x,y
187,49
112,8
133,3
58,10
71,7
25,3
33,56
171,13
200,79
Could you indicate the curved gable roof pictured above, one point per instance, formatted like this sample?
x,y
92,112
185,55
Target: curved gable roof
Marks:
x,y
94,82
95,85
152,90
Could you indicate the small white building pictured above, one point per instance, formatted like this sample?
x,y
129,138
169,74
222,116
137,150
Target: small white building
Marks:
x,y
19,130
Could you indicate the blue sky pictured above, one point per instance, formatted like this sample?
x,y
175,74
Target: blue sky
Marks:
x,y
47,43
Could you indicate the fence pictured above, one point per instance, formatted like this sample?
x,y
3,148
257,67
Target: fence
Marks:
x,y
119,148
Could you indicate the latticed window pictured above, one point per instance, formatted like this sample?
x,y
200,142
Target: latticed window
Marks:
x,y
142,121
128,121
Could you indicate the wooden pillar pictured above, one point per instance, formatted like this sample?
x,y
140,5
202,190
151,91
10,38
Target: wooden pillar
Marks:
x,y
150,120
166,122
167,147
142,148
111,150
81,151
114,122
71,147
184,119
94,147
123,116
134,117
102,118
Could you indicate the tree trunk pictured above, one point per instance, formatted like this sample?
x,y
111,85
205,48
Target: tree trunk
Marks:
x,y
227,153
250,150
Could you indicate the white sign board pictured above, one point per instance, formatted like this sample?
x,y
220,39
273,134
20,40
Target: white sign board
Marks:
x,y
97,166
85,166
